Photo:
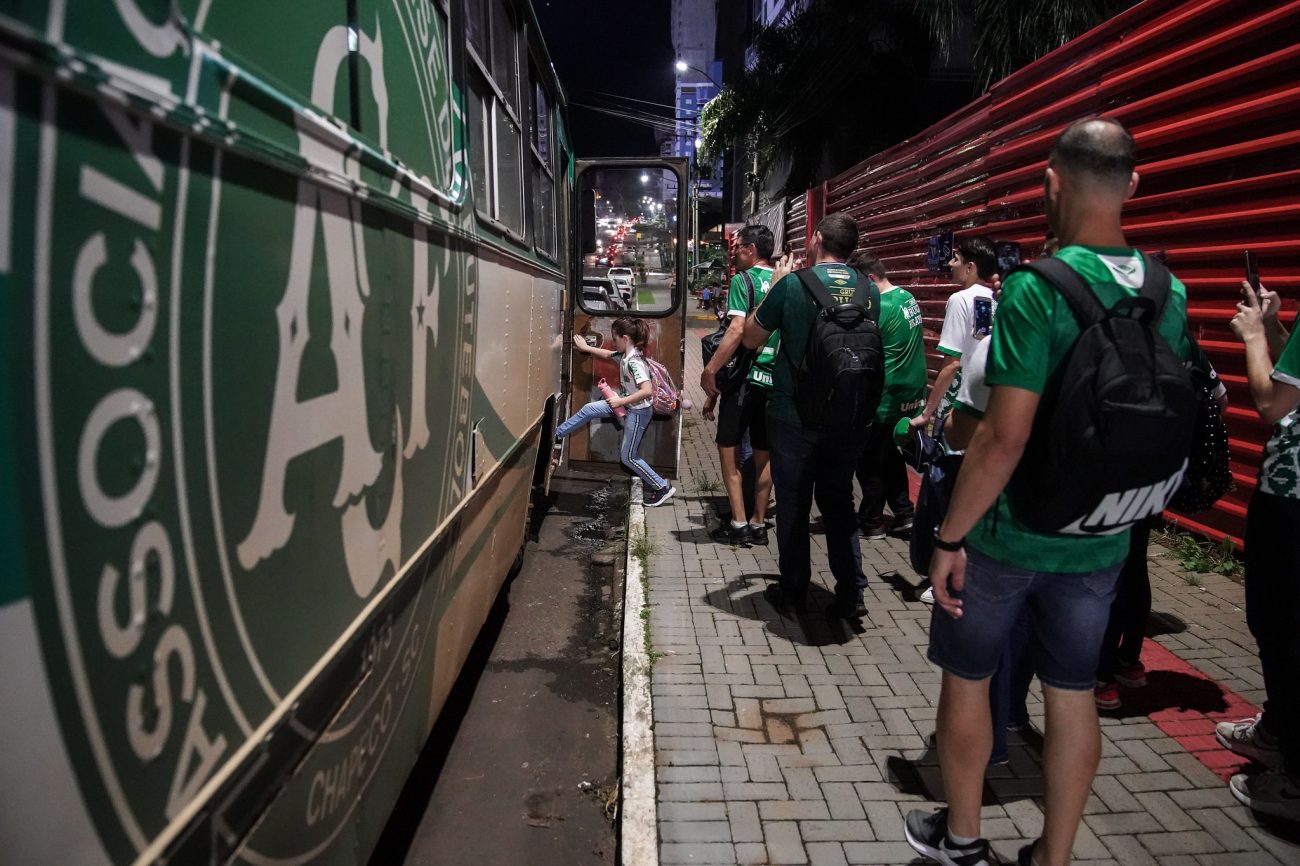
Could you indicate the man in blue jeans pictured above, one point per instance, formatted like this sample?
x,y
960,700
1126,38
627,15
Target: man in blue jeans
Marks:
x,y
988,566
810,463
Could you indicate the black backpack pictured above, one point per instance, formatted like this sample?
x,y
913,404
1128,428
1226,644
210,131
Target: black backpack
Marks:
x,y
1209,474
842,374
733,373
1109,446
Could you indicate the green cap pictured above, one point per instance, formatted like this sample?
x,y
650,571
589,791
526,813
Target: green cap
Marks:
x,y
902,430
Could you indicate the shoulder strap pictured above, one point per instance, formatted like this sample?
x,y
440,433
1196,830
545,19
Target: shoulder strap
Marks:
x,y
814,287
1078,294
749,284
1156,285
866,294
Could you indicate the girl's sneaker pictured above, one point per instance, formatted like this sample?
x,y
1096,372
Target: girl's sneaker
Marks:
x,y
1107,696
928,835
1132,677
655,498
1248,738
1272,792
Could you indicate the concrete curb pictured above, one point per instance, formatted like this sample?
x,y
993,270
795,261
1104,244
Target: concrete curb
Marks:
x,y
638,821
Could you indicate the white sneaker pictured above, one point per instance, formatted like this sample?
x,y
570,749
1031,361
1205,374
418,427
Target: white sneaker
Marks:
x,y
927,597
1248,738
1272,792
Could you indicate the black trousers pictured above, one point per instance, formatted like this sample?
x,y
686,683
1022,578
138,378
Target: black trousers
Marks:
x,y
1122,645
883,477
1273,613
808,465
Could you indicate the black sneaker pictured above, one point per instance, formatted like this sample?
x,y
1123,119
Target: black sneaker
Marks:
x,y
872,531
1026,857
845,609
655,498
736,536
778,599
928,834
901,525
758,534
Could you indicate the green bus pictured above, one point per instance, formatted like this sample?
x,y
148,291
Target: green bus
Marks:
x,y
239,577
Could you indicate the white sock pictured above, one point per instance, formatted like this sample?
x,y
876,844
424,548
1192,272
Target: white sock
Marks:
x,y
758,525
961,841
738,525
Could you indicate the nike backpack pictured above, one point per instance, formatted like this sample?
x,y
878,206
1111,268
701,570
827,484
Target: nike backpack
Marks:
x,y
1110,446
842,374
736,370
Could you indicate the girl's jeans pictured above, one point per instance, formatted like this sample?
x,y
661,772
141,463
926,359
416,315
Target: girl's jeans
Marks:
x,y
634,427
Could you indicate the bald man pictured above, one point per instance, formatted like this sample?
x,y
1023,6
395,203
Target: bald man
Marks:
x,y
989,566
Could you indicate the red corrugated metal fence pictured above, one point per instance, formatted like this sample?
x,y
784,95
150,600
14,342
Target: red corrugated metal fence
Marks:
x,y
1211,93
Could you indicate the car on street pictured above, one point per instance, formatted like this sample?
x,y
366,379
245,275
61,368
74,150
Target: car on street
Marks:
x,y
602,293
622,277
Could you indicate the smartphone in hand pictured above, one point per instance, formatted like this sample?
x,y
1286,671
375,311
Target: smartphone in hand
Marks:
x,y
1252,271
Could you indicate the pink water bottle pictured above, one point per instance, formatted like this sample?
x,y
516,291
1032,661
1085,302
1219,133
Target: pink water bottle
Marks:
x,y
608,393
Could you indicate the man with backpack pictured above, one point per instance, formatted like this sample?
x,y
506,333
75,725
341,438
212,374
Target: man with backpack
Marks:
x,y
1039,517
826,384
881,472
742,398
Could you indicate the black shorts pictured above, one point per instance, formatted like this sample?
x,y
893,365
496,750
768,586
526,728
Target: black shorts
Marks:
x,y
743,409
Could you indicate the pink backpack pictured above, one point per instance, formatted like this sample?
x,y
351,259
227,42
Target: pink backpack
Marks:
x,y
664,400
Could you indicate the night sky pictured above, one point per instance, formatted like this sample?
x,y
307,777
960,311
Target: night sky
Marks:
x,y
623,47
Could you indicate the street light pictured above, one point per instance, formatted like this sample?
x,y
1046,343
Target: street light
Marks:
x,y
645,178
683,66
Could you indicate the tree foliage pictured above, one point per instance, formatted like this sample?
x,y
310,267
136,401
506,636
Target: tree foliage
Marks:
x,y
845,78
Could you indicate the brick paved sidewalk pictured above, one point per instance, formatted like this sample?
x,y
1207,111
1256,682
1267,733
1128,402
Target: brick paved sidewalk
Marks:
x,y
784,740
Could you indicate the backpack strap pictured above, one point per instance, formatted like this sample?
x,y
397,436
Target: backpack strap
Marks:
x,y
749,284
863,289
866,294
1085,305
814,287
1156,284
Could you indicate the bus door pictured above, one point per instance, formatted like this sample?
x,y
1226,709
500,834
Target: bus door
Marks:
x,y
629,260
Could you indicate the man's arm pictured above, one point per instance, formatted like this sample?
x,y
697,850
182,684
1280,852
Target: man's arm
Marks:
x,y
994,452
754,334
942,380
727,348
1274,399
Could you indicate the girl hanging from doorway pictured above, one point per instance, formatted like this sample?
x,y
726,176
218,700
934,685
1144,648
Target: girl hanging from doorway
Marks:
x,y
630,337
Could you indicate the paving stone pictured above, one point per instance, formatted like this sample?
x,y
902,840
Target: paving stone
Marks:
x,y
745,824
784,845
697,853
695,831
825,854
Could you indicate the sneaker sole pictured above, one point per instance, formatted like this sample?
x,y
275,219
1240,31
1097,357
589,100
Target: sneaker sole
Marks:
x,y
925,849
1131,683
1269,758
1276,810
666,497
1108,705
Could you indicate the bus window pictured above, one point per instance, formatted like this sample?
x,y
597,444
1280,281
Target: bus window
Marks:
x,y
497,164
543,214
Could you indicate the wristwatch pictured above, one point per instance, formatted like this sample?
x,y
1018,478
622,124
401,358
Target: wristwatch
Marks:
x,y
950,546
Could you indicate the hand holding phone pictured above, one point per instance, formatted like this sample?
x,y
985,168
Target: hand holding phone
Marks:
x,y
1252,271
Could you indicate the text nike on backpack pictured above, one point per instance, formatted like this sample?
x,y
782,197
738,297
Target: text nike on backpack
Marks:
x,y
1109,445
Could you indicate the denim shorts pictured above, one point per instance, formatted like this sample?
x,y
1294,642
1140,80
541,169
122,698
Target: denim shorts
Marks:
x,y
1067,618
